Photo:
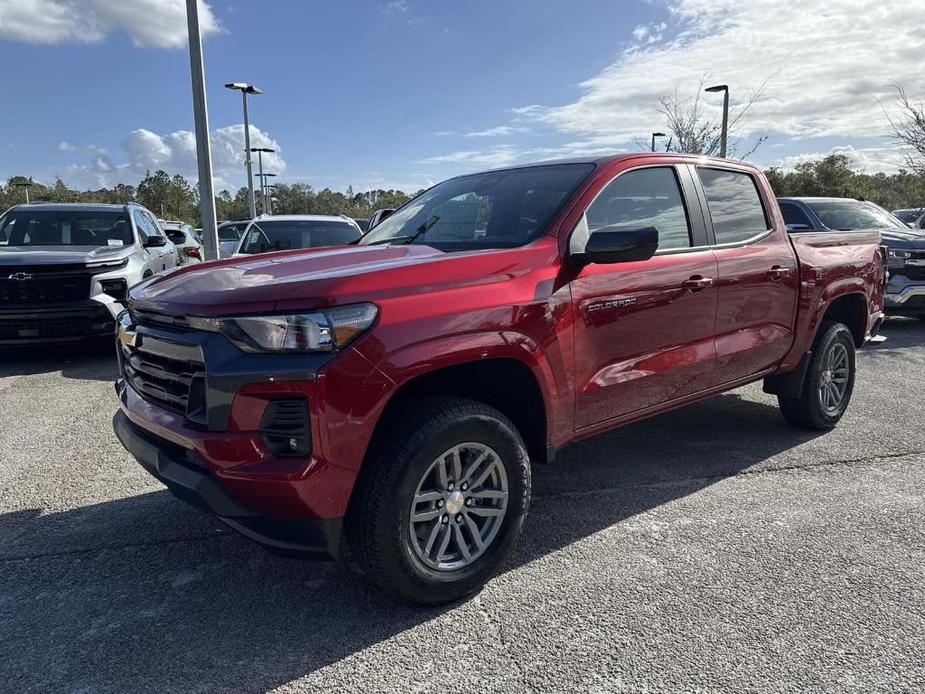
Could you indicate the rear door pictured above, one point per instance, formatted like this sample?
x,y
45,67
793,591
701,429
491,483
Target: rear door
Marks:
x,y
644,329
758,278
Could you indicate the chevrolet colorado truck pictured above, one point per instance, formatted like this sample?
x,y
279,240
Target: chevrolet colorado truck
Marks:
x,y
384,401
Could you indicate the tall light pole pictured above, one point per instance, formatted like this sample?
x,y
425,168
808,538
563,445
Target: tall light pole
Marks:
x,y
263,190
724,133
26,185
246,89
260,151
654,135
203,148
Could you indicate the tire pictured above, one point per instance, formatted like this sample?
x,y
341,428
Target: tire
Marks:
x,y
813,409
401,554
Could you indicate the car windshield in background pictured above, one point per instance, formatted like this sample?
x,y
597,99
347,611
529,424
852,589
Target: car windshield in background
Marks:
x,y
908,216
500,209
281,235
848,215
229,233
27,227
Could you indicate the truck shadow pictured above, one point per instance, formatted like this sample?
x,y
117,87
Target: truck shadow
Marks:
x,y
90,360
146,593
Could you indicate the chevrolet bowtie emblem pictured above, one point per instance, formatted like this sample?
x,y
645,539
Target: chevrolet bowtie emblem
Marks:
x,y
20,276
127,337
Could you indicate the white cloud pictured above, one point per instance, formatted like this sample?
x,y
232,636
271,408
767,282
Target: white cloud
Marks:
x,y
828,63
400,6
870,160
175,152
497,131
158,23
500,155
64,146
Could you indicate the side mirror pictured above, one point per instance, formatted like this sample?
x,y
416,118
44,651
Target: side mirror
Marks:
x,y
618,245
155,242
378,216
797,227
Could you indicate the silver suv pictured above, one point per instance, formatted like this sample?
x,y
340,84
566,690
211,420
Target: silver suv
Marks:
x,y
65,269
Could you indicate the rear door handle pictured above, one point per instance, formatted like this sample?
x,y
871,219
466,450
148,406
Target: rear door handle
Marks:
x,y
777,272
697,283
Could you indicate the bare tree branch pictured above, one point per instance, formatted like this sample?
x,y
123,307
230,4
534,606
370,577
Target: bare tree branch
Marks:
x,y
693,133
907,129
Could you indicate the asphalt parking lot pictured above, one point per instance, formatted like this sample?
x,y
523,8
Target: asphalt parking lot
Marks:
x,y
712,548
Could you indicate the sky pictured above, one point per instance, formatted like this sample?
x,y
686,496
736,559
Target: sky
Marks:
x,y
405,93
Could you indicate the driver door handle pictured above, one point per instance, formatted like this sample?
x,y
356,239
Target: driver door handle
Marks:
x,y
697,283
778,272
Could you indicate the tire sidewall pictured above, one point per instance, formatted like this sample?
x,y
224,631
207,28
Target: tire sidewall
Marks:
x,y
831,334
491,431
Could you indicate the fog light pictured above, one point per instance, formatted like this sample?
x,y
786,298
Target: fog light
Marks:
x,y
285,427
114,288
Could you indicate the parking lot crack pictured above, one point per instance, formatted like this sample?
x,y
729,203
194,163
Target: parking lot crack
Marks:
x,y
104,548
701,479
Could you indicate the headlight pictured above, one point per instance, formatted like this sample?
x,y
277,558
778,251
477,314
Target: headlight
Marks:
x,y
896,253
323,330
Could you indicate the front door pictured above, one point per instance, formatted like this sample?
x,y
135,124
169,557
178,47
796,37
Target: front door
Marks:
x,y
644,330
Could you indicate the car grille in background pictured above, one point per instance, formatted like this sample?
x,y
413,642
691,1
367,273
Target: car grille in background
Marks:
x,y
29,328
167,374
916,273
21,286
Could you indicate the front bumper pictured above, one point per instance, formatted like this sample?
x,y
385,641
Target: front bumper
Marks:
x,y
904,297
55,324
189,479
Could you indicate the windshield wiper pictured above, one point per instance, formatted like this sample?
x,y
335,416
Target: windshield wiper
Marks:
x,y
408,238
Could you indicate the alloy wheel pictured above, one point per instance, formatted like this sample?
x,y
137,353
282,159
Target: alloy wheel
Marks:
x,y
458,507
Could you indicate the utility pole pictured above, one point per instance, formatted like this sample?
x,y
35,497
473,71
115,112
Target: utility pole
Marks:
x,y
654,135
203,147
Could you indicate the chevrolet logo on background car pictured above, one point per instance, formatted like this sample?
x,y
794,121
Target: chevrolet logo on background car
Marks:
x,y
19,276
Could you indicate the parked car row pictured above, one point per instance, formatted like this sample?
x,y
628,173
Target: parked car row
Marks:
x,y
65,269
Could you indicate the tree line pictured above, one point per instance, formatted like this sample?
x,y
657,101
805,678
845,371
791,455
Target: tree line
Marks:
x,y
173,197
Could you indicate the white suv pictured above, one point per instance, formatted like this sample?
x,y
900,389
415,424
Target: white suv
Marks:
x,y
65,268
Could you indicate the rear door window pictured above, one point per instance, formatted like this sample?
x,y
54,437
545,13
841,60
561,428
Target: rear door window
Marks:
x,y
735,205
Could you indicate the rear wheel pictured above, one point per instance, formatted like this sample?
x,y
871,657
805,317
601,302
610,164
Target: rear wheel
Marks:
x,y
438,510
829,381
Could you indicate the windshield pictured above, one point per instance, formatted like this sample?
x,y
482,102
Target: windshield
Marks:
x,y
908,216
229,232
848,215
499,209
25,227
281,235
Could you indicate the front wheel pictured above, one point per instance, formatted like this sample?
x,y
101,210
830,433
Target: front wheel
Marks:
x,y
437,512
829,381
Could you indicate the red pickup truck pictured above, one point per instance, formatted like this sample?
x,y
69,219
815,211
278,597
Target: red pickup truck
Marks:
x,y
384,401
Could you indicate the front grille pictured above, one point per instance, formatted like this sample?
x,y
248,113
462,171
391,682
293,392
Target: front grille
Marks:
x,y
167,374
28,328
22,287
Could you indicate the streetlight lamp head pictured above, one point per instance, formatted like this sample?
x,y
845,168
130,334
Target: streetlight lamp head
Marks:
x,y
244,87
658,134
718,88
262,149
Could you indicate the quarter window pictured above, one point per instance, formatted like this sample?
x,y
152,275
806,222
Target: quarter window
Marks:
x,y
735,205
649,197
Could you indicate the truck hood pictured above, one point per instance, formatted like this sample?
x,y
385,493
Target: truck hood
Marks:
x,y
61,255
302,280
897,238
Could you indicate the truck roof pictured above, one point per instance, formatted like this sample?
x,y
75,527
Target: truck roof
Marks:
x,y
51,206
810,198
609,158
301,218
